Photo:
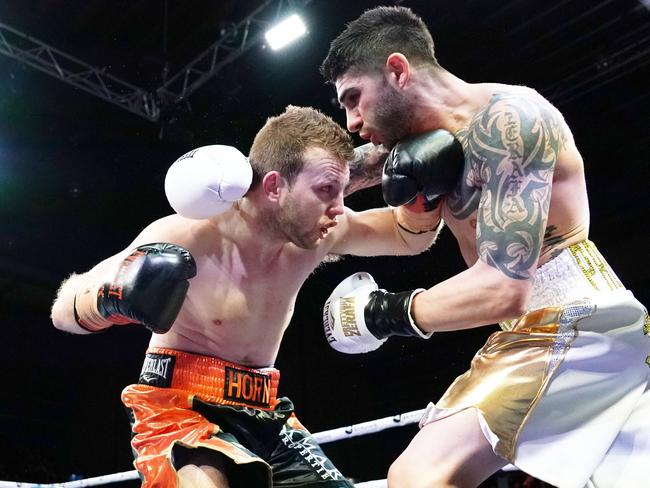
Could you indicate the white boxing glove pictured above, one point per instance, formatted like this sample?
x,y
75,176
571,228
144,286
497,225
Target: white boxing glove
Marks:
x,y
343,316
358,316
206,181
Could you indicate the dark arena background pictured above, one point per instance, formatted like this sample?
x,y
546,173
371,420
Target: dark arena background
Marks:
x,y
80,176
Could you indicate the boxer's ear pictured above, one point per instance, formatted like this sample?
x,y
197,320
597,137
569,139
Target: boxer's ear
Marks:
x,y
272,183
398,70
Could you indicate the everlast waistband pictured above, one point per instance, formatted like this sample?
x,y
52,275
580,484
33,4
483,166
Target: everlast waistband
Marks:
x,y
212,379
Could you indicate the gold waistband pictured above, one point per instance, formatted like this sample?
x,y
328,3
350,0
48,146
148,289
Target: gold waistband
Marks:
x,y
579,271
593,266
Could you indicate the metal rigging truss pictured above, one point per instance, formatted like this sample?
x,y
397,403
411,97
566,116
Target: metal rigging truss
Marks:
x,y
234,42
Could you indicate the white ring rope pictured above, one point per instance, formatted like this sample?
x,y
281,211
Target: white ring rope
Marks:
x,y
369,427
97,481
324,437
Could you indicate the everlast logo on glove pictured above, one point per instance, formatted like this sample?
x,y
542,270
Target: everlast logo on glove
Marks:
x,y
248,387
115,288
188,154
157,370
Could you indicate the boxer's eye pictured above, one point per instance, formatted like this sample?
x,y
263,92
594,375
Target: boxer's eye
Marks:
x,y
350,99
353,100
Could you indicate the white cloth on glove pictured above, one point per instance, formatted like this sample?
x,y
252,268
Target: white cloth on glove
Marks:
x,y
206,181
343,316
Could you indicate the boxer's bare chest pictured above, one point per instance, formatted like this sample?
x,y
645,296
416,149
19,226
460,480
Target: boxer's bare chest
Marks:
x,y
232,290
237,309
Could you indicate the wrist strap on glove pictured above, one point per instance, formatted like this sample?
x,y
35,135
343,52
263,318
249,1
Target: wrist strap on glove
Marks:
x,y
387,314
86,313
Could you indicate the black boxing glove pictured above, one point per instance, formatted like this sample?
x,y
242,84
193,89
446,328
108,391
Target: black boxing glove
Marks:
x,y
149,289
429,164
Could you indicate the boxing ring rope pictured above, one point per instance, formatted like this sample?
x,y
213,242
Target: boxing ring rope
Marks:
x,y
364,428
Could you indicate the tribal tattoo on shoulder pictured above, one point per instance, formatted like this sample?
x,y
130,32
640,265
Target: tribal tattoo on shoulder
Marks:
x,y
511,148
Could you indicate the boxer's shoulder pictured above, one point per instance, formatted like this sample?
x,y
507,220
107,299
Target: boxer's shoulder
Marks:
x,y
178,230
527,103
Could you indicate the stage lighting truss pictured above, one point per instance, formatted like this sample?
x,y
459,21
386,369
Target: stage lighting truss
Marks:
x,y
232,44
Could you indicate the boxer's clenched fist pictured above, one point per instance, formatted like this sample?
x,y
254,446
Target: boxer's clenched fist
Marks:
x,y
148,288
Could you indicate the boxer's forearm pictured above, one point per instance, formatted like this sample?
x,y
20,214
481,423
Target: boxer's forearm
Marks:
x,y
366,168
480,295
63,308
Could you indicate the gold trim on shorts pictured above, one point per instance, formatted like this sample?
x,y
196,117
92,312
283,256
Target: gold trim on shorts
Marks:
x,y
511,372
592,266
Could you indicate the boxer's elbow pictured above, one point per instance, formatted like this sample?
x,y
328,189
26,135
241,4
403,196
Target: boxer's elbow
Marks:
x,y
513,297
514,308
60,315
505,297
63,319
62,311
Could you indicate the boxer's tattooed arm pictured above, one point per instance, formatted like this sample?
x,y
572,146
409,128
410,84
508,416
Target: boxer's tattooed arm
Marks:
x,y
464,199
366,168
515,143
552,240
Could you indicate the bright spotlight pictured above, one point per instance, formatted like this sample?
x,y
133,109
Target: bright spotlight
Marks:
x,y
285,32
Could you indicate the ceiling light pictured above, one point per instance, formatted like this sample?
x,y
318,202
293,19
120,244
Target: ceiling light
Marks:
x,y
285,32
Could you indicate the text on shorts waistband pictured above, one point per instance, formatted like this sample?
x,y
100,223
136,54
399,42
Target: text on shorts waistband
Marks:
x,y
593,266
210,378
577,272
